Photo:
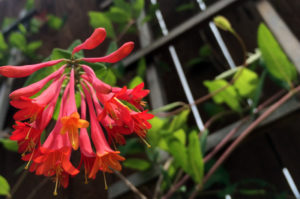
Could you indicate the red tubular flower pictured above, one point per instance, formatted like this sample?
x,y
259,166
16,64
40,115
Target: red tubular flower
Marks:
x,y
133,96
99,86
114,57
87,154
106,158
34,88
93,41
109,111
71,120
23,71
31,108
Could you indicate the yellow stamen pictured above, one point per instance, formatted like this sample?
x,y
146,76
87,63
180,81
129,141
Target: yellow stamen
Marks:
x,y
56,184
105,183
29,161
147,144
27,135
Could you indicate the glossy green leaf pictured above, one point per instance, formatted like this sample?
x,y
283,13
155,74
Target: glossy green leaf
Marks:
x,y
18,40
98,19
4,187
118,15
228,96
195,159
54,22
137,7
3,45
9,144
178,151
276,61
246,82
137,164
7,22
135,81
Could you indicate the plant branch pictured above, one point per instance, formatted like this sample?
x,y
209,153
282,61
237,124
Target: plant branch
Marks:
x,y
161,177
242,137
130,185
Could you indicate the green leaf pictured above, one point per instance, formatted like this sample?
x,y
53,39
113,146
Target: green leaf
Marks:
x,y
123,5
98,19
178,151
132,146
178,121
75,43
18,40
168,107
33,46
246,82
7,22
137,7
57,108
138,164
153,134
22,29
180,136
29,5
54,22
118,15
3,45
35,25
195,159
108,77
185,7
4,186
141,68
203,140
38,75
58,53
9,144
259,89
228,95
135,81
276,61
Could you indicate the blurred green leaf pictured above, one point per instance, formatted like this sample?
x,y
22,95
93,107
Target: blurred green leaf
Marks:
x,y
58,53
228,95
137,7
153,134
276,61
98,19
3,45
259,89
195,159
108,77
185,7
18,40
4,187
54,22
151,13
7,22
180,136
168,107
22,29
9,144
35,25
118,15
212,108
137,164
141,68
123,5
75,43
246,82
33,46
29,5
135,81
132,146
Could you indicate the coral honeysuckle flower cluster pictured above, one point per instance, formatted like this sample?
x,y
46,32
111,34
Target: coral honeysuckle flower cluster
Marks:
x,y
112,113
